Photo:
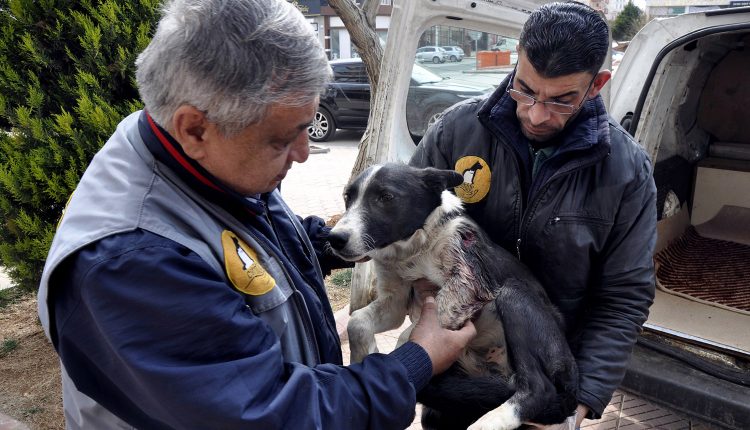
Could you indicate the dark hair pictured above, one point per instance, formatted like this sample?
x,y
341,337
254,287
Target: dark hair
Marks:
x,y
563,38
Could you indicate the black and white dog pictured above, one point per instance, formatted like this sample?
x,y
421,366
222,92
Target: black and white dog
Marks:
x,y
412,227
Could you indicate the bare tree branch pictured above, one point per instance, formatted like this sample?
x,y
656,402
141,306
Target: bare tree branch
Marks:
x,y
370,8
360,23
363,35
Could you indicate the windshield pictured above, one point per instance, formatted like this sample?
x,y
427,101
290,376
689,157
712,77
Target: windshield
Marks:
x,y
422,76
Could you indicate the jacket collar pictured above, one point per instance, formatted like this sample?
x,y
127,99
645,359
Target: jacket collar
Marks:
x,y
169,152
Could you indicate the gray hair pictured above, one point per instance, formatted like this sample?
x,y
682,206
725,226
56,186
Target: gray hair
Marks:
x,y
232,60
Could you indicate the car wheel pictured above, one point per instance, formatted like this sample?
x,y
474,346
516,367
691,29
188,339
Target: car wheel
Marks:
x,y
626,121
454,59
323,126
435,60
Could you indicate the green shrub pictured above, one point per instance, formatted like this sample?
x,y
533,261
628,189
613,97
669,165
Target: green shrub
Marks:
x,y
7,346
12,295
628,22
67,77
342,278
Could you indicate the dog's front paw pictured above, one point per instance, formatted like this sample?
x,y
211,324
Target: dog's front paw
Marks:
x,y
361,350
361,336
504,417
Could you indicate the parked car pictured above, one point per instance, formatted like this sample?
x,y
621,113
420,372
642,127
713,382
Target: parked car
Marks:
x,y
505,44
434,54
346,102
681,90
455,53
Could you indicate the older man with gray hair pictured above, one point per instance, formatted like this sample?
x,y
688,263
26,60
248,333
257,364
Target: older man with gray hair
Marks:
x,y
180,291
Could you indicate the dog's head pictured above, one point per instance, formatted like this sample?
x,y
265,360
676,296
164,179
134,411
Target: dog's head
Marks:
x,y
386,204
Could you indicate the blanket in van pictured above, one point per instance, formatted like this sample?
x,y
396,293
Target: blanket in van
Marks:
x,y
707,270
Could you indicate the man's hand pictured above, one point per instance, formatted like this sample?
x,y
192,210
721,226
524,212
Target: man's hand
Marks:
x,y
422,289
442,345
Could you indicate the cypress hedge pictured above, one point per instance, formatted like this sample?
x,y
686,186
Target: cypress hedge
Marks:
x,y
67,77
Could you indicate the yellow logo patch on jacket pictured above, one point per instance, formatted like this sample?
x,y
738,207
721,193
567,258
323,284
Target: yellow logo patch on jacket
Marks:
x,y
243,268
477,177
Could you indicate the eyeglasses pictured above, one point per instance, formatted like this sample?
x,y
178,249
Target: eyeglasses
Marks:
x,y
560,108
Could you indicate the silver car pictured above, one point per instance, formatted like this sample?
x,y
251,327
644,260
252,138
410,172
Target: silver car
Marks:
x,y
434,54
455,53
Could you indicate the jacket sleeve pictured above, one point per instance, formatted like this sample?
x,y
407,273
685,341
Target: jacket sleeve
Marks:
x,y
157,338
620,303
317,231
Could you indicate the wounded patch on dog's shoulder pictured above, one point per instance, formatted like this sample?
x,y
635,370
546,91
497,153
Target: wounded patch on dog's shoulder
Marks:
x,y
468,238
243,268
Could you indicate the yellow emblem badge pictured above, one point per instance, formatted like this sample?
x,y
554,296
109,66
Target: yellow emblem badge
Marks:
x,y
243,268
477,177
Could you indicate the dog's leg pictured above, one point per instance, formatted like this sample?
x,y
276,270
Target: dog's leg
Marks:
x,y
535,340
506,417
404,336
462,295
465,288
387,312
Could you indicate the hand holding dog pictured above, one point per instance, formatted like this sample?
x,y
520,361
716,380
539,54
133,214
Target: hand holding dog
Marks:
x,y
444,346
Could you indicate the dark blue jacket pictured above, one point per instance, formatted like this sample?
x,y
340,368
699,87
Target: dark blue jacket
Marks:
x,y
147,329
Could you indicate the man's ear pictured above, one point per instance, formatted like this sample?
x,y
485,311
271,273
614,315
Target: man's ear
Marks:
x,y
189,128
599,81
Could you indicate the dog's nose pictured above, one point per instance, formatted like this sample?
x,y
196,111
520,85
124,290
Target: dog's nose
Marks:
x,y
338,239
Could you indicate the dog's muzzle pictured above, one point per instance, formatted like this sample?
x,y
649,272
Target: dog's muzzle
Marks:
x,y
338,239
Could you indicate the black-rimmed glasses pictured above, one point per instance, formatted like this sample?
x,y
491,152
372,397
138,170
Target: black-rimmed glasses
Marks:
x,y
559,108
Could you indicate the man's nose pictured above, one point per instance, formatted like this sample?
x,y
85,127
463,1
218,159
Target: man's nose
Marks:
x,y
538,113
300,149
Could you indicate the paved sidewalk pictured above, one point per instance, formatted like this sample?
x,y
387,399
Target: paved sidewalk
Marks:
x,y
4,280
315,188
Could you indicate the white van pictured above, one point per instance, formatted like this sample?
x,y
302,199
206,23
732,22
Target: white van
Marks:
x,y
682,90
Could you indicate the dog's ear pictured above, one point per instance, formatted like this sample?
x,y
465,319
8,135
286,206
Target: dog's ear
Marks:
x,y
440,180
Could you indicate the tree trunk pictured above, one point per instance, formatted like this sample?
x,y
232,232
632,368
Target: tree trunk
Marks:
x,y
360,23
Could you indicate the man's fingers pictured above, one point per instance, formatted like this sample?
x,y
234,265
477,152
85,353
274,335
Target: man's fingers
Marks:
x,y
468,330
423,288
429,309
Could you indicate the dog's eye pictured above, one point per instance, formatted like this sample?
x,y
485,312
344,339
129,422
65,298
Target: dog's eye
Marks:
x,y
385,197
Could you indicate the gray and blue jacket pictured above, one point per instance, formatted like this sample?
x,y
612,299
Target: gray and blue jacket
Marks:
x,y
582,218
175,303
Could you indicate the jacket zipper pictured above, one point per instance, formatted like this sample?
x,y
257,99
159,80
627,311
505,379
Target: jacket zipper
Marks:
x,y
525,220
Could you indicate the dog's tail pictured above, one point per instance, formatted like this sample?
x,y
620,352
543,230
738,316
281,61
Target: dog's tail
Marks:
x,y
472,396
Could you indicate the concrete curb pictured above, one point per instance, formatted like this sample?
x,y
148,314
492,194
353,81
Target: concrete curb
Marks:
x,y
8,423
315,149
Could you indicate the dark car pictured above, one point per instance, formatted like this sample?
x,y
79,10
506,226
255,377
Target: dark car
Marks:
x,y
346,102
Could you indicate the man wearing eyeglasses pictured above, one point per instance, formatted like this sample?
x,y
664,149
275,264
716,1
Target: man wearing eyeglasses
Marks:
x,y
553,179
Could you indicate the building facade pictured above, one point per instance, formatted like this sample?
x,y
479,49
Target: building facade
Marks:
x,y
667,8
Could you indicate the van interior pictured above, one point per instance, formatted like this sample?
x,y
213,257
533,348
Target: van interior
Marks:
x,y
699,113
